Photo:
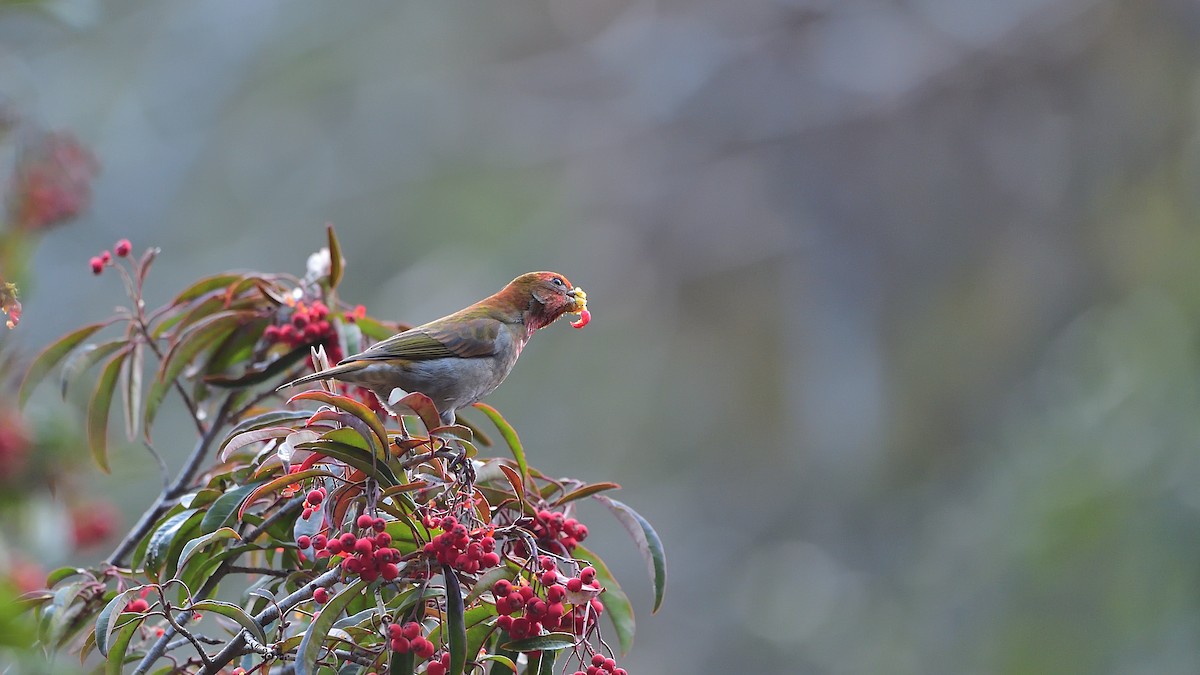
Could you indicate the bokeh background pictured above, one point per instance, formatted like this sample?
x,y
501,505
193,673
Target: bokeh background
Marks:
x,y
896,303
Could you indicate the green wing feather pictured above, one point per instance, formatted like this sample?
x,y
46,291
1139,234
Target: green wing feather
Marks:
x,y
471,338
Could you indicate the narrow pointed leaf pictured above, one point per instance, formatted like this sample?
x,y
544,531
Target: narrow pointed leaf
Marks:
x,y
425,409
189,344
349,405
235,443
356,457
586,491
548,642
49,357
275,484
221,511
107,618
255,376
647,540
131,392
514,479
402,664
233,612
455,623
98,408
318,630
271,419
160,542
510,436
116,651
205,285
336,262
203,540
84,358
502,660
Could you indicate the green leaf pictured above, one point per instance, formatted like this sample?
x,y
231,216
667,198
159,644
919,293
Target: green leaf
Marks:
x,y
85,358
402,664
188,345
116,652
234,612
375,329
276,483
585,491
355,457
486,581
98,408
617,607
273,418
222,510
349,405
205,285
510,436
546,662
61,573
456,625
549,642
501,653
161,541
235,443
336,262
49,357
254,376
131,391
502,660
648,543
107,618
204,540
318,630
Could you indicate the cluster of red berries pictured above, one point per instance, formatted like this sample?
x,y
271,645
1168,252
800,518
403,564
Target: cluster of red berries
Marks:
x,y
555,531
600,665
369,556
99,262
139,604
309,325
312,502
523,613
52,181
463,550
407,638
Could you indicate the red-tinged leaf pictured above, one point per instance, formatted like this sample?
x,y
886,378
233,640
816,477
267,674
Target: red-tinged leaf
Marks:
x,y
233,612
318,630
549,642
456,430
235,443
237,348
514,479
144,264
203,334
355,433
337,264
131,389
49,357
425,409
98,408
206,285
456,626
206,307
85,358
406,487
275,484
585,491
617,607
647,540
106,620
272,292
349,405
510,436
62,573
269,419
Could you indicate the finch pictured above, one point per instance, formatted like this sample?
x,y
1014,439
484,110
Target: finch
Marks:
x,y
458,359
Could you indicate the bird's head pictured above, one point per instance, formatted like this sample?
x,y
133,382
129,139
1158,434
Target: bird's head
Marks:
x,y
544,296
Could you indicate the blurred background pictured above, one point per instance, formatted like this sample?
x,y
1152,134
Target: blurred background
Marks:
x,y
896,303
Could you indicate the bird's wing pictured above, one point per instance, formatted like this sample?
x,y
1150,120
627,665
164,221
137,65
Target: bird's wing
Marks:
x,y
471,338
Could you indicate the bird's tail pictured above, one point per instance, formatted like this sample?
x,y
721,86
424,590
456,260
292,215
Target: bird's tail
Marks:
x,y
323,375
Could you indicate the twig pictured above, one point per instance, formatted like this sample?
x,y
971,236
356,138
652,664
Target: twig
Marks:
x,y
238,569
173,491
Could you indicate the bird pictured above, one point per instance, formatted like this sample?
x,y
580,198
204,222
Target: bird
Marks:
x,y
460,358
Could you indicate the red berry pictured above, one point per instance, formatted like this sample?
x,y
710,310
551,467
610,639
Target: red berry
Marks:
x,y
303,541
620,671
598,660
502,588
435,668
319,541
581,533
395,630
138,605
526,593
412,630
379,524
389,572
364,520
383,539
320,595
425,649
549,577
448,522
123,248
400,645
609,664
348,540
574,584
105,257
364,546
334,546
314,497
556,593
97,264
504,621
490,559
588,574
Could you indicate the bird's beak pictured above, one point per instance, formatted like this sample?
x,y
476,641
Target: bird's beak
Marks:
x,y
580,298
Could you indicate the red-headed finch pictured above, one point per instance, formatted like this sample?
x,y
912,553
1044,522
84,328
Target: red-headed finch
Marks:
x,y
458,359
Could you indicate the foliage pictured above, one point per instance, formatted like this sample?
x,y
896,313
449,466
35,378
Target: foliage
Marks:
x,y
358,546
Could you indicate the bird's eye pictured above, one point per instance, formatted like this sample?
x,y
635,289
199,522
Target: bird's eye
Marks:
x,y
557,281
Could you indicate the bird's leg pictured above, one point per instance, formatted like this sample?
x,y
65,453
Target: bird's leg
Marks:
x,y
464,469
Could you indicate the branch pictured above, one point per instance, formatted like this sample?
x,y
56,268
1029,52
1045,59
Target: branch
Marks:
x,y
173,491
